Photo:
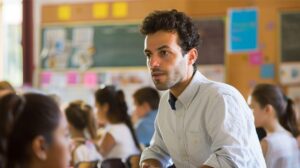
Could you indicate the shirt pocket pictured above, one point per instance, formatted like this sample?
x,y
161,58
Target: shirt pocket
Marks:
x,y
198,149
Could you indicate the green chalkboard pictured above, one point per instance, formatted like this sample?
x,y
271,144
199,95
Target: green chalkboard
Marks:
x,y
115,46
118,46
290,36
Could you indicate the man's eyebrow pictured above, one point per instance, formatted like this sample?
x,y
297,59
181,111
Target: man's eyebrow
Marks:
x,y
162,47
159,48
147,51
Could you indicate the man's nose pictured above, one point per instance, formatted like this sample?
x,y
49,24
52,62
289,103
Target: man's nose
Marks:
x,y
154,61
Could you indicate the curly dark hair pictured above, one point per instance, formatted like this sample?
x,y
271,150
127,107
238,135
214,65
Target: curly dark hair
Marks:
x,y
173,21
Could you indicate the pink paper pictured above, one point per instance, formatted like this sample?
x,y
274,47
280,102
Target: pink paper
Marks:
x,y
72,78
90,79
46,78
256,58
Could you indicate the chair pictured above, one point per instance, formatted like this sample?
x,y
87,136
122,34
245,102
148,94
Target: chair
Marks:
x,y
92,164
112,163
133,161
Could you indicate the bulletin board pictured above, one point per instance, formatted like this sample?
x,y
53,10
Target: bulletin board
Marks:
x,y
290,45
212,49
113,45
290,48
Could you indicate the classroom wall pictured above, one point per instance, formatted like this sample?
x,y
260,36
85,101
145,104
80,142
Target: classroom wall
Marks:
x,y
239,72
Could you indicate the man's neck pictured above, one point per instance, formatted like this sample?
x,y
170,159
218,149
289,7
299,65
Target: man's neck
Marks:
x,y
180,87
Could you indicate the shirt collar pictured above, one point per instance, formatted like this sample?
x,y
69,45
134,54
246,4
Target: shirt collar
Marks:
x,y
188,94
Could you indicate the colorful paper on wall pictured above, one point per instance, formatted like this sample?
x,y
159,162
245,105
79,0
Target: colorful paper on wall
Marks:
x,y
120,9
72,78
58,80
90,79
83,37
267,71
46,78
213,72
290,73
100,10
242,34
256,58
64,12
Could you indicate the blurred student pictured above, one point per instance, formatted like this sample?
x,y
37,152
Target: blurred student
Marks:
x,y
119,140
33,132
82,125
6,88
146,102
274,112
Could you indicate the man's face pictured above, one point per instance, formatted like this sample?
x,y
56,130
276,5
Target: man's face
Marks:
x,y
167,65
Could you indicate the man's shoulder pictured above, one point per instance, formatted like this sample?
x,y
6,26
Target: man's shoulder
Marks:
x,y
218,88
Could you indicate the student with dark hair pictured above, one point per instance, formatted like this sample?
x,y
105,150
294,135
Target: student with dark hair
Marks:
x,y
6,88
33,132
274,112
146,101
119,140
83,127
200,123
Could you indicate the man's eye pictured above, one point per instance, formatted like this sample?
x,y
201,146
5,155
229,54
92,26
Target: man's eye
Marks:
x,y
163,53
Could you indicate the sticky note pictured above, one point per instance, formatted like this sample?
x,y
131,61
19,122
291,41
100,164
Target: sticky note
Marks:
x,y
64,12
120,9
100,10
294,73
90,79
46,78
255,58
267,71
72,78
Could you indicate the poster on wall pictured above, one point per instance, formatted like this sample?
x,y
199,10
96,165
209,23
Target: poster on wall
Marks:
x,y
213,72
290,73
243,25
55,49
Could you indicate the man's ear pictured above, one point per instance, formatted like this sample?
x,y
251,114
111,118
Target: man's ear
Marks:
x,y
39,147
193,55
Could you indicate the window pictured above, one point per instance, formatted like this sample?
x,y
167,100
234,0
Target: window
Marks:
x,y
10,41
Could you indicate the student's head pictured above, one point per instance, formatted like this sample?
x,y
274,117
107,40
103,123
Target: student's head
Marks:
x,y
170,46
33,131
145,100
80,117
269,103
5,88
111,104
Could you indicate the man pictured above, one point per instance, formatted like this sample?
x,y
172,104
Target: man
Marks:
x,y
146,101
200,123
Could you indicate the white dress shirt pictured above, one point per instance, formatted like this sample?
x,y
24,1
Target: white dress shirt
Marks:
x,y
211,125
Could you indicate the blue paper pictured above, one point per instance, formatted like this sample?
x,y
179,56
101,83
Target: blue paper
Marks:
x,y
267,71
243,30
